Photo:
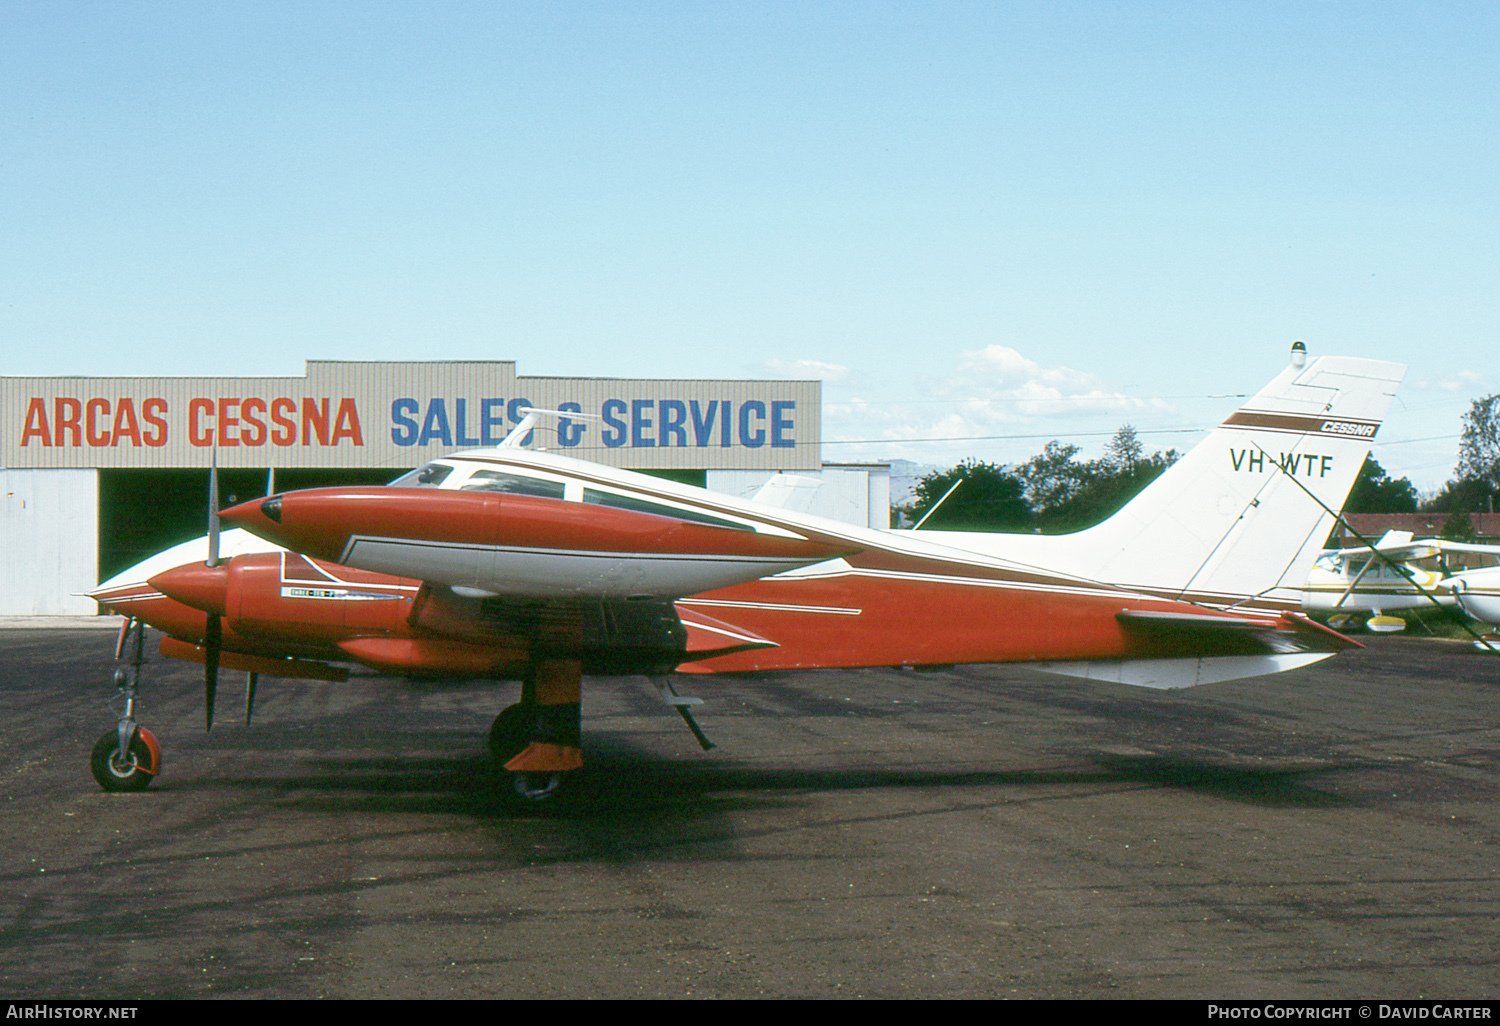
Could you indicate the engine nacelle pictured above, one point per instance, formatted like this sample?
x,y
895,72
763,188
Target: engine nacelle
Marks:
x,y
291,596
285,599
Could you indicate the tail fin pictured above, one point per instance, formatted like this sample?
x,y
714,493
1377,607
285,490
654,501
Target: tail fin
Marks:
x,y
1242,516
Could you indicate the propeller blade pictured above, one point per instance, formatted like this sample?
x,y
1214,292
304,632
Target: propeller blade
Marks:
x,y
213,635
213,509
125,626
250,695
213,638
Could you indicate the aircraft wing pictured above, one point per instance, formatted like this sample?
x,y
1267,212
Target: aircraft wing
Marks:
x,y
1397,545
1407,548
1452,546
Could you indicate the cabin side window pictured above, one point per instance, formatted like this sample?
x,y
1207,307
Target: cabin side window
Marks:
x,y
639,505
512,484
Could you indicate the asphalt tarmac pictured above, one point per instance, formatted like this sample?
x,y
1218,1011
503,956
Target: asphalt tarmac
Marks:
x,y
982,832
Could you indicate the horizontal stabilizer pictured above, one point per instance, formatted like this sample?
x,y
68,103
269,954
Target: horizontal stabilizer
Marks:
x,y
1189,648
1167,674
1195,622
1207,634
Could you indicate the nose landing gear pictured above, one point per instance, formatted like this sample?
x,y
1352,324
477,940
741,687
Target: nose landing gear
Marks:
x,y
135,771
127,758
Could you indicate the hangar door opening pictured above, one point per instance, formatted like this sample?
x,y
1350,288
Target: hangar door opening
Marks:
x,y
142,512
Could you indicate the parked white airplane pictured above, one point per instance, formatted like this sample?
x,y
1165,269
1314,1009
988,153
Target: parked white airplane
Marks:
x,y
1347,585
1356,581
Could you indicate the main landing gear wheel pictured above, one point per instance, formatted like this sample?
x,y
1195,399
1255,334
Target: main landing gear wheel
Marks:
x,y
537,788
142,762
510,734
535,742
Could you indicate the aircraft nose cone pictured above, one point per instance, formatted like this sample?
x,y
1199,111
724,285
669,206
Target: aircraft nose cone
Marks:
x,y
194,584
255,515
308,521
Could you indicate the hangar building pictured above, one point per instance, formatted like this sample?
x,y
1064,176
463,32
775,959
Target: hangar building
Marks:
x,y
101,472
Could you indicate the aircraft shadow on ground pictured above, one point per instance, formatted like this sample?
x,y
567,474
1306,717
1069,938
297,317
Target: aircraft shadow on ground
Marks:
x,y
623,782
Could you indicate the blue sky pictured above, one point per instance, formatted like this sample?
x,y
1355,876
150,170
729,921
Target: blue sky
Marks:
x,y
1003,219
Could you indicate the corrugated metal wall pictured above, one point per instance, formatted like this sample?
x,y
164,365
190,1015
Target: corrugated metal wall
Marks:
x,y
50,553
392,415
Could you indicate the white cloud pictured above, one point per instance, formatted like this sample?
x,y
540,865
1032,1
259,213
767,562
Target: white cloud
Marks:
x,y
1011,386
995,391
803,370
1463,381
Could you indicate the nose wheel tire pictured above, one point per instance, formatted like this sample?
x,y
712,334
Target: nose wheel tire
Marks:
x,y
134,773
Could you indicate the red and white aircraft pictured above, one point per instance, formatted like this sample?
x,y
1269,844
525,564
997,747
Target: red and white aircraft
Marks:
x,y
514,564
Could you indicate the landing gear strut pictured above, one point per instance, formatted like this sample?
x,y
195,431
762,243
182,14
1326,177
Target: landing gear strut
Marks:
x,y
128,757
536,742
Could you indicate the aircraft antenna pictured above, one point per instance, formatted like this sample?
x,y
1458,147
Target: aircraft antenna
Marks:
x,y
529,419
935,505
213,629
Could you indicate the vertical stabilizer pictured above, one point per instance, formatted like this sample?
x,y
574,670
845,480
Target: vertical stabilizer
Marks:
x,y
1241,517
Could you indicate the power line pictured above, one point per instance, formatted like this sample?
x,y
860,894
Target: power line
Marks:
x,y
992,438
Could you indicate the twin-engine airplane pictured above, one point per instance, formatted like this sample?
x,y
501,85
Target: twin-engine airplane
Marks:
x,y
513,564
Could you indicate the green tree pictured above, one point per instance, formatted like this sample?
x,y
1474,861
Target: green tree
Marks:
x,y
1053,491
1124,450
1106,489
988,499
1458,527
1479,448
1477,476
1375,492
1460,495
1053,477
1067,494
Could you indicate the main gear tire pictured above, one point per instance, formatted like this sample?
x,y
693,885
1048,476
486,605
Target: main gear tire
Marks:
x,y
529,790
511,732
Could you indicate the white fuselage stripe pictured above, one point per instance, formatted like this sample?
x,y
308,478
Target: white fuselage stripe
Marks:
x,y
341,582
710,559
778,606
